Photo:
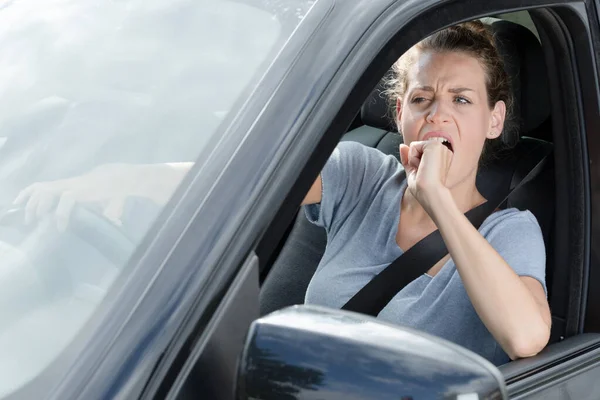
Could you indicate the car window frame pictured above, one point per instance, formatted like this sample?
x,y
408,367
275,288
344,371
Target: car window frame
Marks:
x,y
172,250
320,148
592,310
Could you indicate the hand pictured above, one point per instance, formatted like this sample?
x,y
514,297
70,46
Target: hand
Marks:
x,y
107,185
426,165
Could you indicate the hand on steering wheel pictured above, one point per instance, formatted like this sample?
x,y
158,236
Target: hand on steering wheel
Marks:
x,y
86,224
107,186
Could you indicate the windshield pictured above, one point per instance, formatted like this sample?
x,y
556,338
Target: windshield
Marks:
x,y
96,97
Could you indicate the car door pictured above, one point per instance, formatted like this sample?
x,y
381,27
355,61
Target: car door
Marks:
x,y
571,367
174,321
360,54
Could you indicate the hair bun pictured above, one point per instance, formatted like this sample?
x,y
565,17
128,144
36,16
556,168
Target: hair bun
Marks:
x,y
476,29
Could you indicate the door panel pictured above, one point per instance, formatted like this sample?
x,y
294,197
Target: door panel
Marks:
x,y
553,355
582,386
574,379
211,368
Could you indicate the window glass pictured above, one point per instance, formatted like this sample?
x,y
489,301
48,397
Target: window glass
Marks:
x,y
94,94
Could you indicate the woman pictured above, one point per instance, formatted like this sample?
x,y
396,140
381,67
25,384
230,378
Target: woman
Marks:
x,y
451,96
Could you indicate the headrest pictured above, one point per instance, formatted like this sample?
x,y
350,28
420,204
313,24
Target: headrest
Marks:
x,y
524,63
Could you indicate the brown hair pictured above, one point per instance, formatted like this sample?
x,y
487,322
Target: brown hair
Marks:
x,y
476,39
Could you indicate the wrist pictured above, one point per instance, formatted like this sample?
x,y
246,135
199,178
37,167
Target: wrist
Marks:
x,y
438,202
157,182
139,178
152,181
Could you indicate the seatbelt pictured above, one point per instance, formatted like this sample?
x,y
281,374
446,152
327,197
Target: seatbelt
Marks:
x,y
417,260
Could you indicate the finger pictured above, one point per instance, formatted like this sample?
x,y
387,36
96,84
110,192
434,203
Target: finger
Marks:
x,y
419,146
404,154
416,149
114,210
31,208
435,147
415,153
24,194
45,203
64,210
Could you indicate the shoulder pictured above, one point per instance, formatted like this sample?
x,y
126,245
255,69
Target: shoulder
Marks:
x,y
356,149
353,174
517,237
509,221
513,227
357,156
515,234
354,169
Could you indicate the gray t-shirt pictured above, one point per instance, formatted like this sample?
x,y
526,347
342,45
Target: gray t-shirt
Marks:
x,y
360,210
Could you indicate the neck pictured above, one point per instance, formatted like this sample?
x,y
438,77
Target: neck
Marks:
x,y
465,195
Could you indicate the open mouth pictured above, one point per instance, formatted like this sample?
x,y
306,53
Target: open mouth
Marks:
x,y
444,141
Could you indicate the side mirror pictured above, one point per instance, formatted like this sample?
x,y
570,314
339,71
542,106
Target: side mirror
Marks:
x,y
307,352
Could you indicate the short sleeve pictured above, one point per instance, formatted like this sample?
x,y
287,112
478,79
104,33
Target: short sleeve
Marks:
x,y
350,172
519,240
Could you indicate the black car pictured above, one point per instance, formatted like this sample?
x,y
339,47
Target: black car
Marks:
x,y
202,297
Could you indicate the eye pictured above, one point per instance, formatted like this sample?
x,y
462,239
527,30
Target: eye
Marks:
x,y
461,100
418,100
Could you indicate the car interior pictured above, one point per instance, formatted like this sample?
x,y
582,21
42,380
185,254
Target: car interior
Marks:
x,y
288,271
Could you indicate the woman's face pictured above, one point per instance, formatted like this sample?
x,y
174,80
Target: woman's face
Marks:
x,y
446,97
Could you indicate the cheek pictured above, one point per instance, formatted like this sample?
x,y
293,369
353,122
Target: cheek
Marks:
x,y
473,136
474,128
409,125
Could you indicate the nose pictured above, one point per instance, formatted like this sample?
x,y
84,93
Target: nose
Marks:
x,y
438,113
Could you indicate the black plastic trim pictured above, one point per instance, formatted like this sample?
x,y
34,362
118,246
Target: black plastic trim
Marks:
x,y
551,357
216,352
586,354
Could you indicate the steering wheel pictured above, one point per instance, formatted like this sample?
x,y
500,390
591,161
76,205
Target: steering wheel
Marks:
x,y
93,228
57,265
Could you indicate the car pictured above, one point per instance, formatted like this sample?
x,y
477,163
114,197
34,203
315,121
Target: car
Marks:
x,y
201,297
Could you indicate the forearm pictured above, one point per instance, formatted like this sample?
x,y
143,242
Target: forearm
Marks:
x,y
501,299
158,181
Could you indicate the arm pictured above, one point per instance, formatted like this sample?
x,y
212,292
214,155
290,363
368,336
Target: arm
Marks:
x,y
160,189
158,181
109,185
314,193
513,308
112,184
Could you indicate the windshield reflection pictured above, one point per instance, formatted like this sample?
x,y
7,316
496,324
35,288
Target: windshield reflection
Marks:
x,y
106,105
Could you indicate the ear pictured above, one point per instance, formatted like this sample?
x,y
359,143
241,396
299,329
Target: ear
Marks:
x,y
497,120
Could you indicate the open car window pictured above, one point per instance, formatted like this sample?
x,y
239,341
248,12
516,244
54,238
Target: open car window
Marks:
x,y
86,83
522,18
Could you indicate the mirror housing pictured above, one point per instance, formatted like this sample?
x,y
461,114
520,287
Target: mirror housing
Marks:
x,y
308,352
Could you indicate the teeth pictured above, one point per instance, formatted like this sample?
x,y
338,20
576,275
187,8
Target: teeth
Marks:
x,y
439,139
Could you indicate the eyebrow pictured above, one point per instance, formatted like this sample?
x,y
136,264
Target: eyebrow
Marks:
x,y
460,90
425,88
453,90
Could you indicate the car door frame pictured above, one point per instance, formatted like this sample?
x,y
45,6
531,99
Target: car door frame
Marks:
x,y
187,260
321,121
592,315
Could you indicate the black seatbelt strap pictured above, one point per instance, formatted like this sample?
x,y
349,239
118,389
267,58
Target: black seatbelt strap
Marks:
x,y
417,260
